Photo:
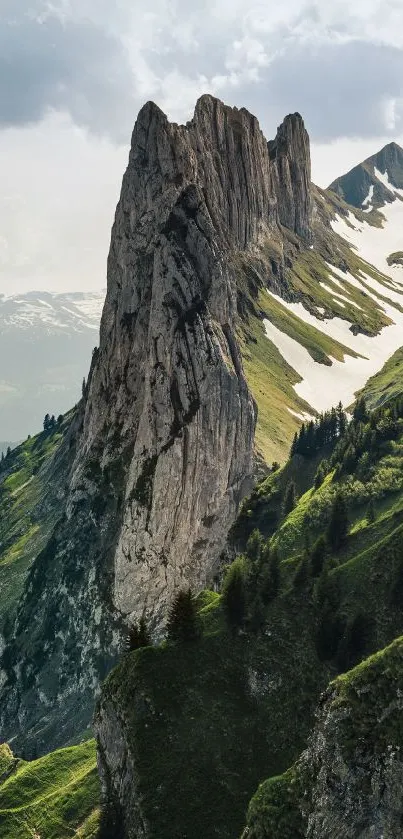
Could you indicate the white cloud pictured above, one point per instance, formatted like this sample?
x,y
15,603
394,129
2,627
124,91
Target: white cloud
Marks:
x,y
92,63
59,190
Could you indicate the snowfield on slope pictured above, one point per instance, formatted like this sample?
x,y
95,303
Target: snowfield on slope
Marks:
x,y
323,386
375,244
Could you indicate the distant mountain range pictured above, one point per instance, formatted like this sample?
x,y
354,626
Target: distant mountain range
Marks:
x,y
365,186
46,342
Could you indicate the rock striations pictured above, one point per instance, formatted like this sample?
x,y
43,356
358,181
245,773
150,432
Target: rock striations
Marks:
x,y
162,451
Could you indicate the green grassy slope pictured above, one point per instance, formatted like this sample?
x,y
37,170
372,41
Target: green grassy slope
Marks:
x,y
27,511
299,274
387,383
54,797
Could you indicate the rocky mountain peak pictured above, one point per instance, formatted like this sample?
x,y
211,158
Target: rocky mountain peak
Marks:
x,y
289,154
222,150
371,184
162,449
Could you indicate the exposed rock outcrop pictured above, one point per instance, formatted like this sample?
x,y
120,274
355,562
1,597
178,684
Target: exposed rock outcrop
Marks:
x,y
291,164
164,452
348,782
353,767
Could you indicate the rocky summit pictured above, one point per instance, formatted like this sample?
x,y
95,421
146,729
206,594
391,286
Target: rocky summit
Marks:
x,y
201,561
161,450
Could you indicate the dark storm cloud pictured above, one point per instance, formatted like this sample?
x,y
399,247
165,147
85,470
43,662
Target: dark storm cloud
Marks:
x,y
348,88
72,66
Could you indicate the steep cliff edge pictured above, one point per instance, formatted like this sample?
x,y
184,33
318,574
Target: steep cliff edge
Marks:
x,y
164,447
347,784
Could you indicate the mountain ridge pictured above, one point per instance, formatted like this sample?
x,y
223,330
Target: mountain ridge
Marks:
x,y
356,184
45,342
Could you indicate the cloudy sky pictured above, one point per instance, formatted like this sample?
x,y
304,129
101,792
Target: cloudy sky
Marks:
x,y
74,73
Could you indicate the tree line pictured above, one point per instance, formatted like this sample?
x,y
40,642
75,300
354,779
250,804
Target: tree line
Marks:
x,y
322,431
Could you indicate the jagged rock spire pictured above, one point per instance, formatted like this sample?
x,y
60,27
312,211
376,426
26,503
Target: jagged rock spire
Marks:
x,y
164,450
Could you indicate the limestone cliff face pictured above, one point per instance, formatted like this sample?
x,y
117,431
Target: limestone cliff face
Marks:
x,y
169,374
164,450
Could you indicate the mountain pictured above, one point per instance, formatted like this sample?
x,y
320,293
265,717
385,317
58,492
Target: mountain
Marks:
x,y
236,316
375,187
166,413
374,181
45,343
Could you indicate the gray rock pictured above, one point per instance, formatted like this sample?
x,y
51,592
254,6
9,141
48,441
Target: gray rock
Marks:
x,y
163,449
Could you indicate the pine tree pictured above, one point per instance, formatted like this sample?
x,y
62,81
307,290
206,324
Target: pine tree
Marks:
x,y
138,636
318,556
46,422
371,512
341,419
337,530
289,500
182,624
301,576
360,413
301,448
234,594
294,445
269,582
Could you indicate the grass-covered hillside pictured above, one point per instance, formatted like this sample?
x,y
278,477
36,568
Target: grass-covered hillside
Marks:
x,y
28,509
387,383
55,797
317,588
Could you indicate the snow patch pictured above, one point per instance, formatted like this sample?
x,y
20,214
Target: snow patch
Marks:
x,y
336,294
303,416
375,244
323,386
383,177
336,328
368,200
